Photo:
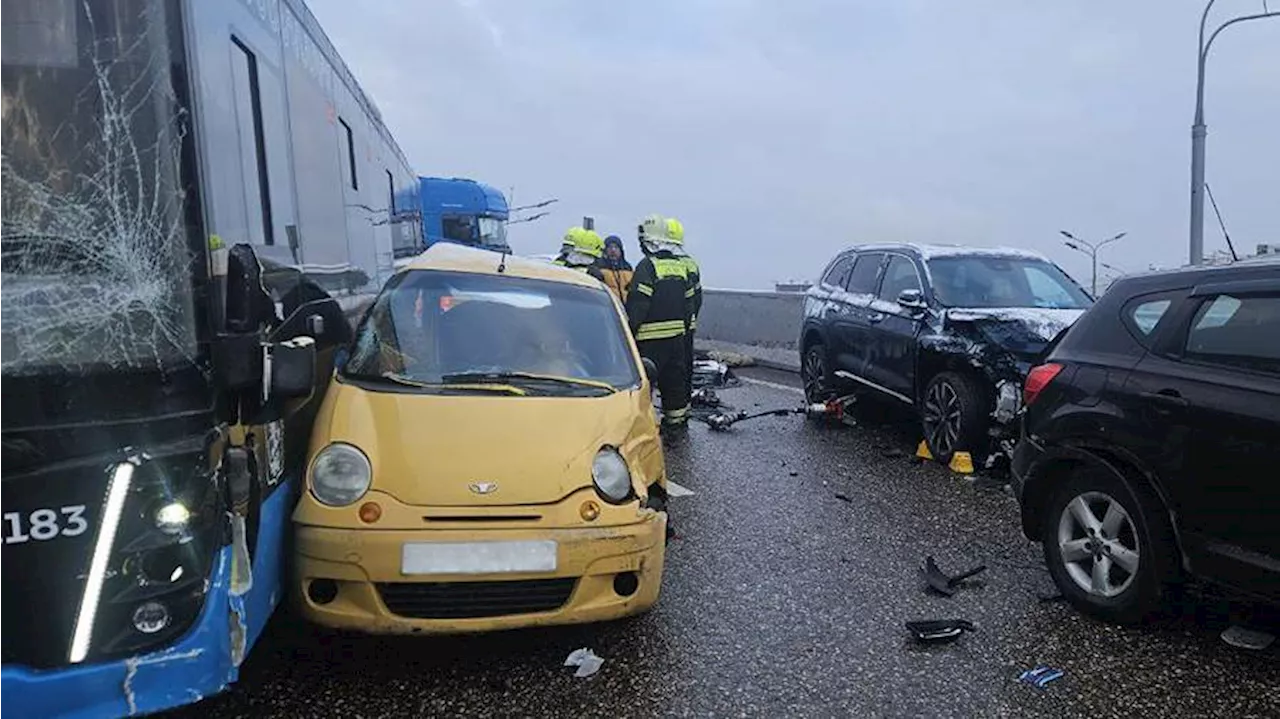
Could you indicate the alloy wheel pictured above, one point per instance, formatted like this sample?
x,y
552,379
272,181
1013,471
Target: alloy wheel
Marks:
x,y
1098,543
942,417
815,372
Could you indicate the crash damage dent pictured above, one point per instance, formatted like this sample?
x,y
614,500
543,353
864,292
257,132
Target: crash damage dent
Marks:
x,y
202,664
999,345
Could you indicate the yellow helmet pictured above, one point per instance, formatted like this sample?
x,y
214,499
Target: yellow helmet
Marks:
x,y
571,237
588,242
675,231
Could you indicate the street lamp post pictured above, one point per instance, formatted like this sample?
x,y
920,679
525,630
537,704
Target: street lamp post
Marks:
x,y
1199,131
1090,249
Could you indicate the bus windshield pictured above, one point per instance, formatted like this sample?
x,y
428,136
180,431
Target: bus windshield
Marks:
x,y
98,240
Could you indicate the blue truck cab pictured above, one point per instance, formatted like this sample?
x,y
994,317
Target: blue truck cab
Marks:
x,y
463,211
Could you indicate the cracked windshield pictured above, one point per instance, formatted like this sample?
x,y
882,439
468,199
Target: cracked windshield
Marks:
x,y
651,359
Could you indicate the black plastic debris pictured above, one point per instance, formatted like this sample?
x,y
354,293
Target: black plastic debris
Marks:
x,y
843,498
939,631
943,584
1040,676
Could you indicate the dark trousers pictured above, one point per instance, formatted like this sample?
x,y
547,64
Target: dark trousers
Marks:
x,y
671,379
688,363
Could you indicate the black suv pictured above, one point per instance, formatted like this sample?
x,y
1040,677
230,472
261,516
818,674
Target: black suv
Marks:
x,y
949,331
1150,448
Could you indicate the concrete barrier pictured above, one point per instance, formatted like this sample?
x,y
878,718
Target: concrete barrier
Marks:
x,y
762,325
767,319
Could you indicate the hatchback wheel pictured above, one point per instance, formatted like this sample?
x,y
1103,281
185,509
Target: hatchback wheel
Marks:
x,y
1109,552
813,373
954,416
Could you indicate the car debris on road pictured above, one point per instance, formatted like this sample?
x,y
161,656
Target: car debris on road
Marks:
x,y
1040,676
587,662
943,584
939,631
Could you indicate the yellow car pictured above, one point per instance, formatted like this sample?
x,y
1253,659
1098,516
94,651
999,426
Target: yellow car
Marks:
x,y
486,457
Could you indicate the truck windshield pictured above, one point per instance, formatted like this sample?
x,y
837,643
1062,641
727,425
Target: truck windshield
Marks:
x,y
429,326
985,281
97,233
493,232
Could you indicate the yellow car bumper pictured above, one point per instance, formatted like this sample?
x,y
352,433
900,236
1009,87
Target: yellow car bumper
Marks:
x,y
352,579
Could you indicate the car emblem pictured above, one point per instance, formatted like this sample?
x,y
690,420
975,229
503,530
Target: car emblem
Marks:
x,y
483,487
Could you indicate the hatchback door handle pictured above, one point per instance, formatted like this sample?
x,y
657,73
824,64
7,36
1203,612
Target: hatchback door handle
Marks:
x,y
1166,397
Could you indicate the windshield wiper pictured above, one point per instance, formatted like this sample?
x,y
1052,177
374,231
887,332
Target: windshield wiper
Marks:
x,y
393,378
499,376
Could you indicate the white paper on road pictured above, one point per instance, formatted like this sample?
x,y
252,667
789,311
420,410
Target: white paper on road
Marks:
x,y
675,490
585,660
478,557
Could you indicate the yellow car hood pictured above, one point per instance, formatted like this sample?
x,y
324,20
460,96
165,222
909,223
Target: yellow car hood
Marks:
x,y
430,450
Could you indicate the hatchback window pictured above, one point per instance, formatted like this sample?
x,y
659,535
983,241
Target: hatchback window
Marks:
x,y
428,326
1238,331
1147,315
862,281
839,272
899,275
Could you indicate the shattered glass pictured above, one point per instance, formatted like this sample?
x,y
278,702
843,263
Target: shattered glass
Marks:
x,y
97,256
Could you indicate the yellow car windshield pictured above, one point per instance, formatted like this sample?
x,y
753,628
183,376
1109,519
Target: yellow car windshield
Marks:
x,y
448,328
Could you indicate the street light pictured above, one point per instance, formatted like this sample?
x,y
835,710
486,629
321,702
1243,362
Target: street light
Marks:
x,y
1090,249
1198,130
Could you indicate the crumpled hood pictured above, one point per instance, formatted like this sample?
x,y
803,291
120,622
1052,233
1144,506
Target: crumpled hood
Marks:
x,y
428,449
1023,331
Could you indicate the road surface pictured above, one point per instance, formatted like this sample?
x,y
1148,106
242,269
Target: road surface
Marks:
x,y
782,600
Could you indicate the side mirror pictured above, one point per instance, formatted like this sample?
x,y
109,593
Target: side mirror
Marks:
x,y
650,369
340,357
248,304
292,368
912,300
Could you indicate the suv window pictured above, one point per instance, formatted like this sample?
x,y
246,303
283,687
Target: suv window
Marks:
x,y
839,272
862,281
899,275
1239,331
1142,314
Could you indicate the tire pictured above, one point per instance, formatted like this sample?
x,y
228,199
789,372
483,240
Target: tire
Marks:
x,y
954,415
815,375
1128,523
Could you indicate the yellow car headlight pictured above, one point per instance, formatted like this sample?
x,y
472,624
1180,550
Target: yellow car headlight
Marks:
x,y
340,475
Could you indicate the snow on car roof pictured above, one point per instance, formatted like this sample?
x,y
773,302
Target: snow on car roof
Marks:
x,y
930,251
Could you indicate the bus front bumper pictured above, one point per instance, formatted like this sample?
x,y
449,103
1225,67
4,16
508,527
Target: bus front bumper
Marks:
x,y
196,666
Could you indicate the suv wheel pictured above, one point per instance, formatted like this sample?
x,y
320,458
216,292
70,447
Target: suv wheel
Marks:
x,y
954,416
813,373
1107,550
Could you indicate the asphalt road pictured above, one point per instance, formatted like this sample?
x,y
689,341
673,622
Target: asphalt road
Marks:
x,y
782,600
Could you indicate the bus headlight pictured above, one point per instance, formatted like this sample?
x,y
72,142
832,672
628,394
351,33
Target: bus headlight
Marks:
x,y
340,475
611,476
172,518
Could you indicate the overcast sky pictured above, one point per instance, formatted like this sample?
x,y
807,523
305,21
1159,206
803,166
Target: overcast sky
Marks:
x,y
780,132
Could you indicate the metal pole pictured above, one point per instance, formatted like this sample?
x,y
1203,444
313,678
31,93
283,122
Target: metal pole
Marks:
x,y
1199,131
1095,271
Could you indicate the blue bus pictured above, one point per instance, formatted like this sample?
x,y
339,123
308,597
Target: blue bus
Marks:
x,y
196,196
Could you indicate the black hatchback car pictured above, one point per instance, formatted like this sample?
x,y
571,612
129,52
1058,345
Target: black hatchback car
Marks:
x,y
1150,448
948,331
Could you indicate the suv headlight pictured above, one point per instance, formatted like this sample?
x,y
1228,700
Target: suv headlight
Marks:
x,y
340,475
611,476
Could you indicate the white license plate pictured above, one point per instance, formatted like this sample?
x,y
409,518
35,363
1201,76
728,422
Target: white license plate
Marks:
x,y
477,557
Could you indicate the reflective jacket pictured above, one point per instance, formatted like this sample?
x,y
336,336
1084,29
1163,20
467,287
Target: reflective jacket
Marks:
x,y
660,303
592,269
694,293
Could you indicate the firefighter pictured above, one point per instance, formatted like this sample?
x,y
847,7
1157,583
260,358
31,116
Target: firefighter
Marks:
x,y
582,251
617,271
659,310
675,230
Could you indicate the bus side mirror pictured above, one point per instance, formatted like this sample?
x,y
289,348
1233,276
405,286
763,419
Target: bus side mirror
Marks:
x,y
650,369
292,368
248,306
